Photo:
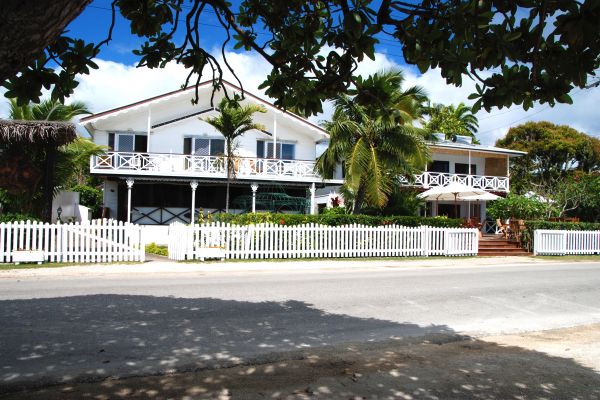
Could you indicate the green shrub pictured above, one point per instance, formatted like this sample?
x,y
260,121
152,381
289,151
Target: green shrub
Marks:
x,y
154,248
335,219
517,207
90,197
16,217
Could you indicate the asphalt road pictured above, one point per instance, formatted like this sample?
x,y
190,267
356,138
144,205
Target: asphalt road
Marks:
x,y
61,328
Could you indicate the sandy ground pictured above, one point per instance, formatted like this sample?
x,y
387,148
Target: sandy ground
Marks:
x,y
557,364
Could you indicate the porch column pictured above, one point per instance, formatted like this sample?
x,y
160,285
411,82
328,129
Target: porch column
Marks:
x,y
313,190
274,135
194,186
254,188
129,182
149,128
470,178
508,173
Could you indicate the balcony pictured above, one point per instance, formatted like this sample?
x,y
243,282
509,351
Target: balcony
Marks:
x,y
431,179
192,166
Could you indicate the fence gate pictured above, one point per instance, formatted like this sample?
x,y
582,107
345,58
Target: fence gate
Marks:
x,y
98,241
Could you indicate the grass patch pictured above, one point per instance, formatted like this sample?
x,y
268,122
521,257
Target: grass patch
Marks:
x,y
5,267
274,260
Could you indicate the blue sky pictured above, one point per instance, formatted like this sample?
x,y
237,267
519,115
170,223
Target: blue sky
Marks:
x,y
119,82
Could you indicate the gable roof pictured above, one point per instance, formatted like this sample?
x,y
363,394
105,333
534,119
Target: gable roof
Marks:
x,y
152,100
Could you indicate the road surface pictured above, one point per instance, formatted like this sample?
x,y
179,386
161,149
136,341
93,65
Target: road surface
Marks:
x,y
60,328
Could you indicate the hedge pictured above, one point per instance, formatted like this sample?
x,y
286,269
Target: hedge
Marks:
x,y
153,248
16,217
336,220
531,226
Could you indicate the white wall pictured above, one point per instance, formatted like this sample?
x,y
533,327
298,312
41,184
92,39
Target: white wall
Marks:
x,y
461,159
169,138
111,197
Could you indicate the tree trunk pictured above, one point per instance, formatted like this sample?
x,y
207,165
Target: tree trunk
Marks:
x,y
49,183
229,172
359,199
28,26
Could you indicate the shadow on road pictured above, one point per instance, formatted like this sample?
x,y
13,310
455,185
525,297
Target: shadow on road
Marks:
x,y
276,346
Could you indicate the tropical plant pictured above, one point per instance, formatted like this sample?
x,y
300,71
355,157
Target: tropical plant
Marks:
x,y
553,153
370,133
451,120
232,122
519,207
72,160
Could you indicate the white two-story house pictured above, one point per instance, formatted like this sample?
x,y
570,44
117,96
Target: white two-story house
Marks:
x,y
457,160
162,157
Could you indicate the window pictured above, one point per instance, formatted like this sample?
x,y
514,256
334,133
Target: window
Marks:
x,y
127,142
203,146
285,151
439,166
464,169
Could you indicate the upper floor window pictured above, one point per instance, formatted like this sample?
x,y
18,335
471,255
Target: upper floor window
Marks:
x,y
464,169
285,151
127,142
439,166
200,146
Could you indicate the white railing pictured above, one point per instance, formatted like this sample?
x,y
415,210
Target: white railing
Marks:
x,y
98,241
432,179
201,166
555,242
220,240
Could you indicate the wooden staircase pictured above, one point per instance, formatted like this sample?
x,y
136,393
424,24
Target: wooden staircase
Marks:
x,y
495,245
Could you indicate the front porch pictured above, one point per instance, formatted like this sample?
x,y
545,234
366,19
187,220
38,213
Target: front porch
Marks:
x,y
152,202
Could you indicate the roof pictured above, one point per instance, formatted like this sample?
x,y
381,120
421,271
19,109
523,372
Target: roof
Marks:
x,y
39,132
477,147
151,100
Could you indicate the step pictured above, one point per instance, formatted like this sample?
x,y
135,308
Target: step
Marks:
x,y
522,253
497,244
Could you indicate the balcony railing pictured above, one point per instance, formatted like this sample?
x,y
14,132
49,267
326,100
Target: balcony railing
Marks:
x,y
431,179
180,165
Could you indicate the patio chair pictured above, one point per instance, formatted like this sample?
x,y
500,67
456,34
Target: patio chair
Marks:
x,y
502,228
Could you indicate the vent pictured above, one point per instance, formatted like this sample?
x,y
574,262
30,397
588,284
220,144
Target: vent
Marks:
x,y
462,139
439,137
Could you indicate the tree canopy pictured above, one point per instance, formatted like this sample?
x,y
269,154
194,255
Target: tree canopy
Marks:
x,y
552,152
375,141
451,120
519,51
561,165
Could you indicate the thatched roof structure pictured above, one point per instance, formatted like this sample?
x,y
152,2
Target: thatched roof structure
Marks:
x,y
37,132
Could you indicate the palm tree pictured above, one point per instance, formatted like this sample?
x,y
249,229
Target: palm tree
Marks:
x,y
47,110
372,134
382,94
232,122
451,120
71,160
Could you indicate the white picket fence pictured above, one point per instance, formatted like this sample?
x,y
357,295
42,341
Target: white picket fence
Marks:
x,y
220,240
95,241
555,242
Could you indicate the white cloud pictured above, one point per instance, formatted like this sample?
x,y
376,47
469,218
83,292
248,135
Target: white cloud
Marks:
x,y
115,84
